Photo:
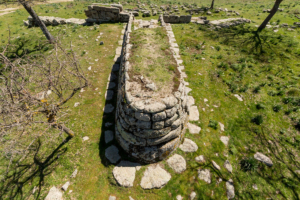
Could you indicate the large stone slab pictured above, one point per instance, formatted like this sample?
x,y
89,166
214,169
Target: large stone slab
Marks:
x,y
112,154
204,174
194,113
124,173
193,128
155,177
230,189
177,163
188,146
54,194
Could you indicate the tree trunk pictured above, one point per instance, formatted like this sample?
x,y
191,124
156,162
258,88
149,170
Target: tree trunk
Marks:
x,y
36,18
272,13
212,4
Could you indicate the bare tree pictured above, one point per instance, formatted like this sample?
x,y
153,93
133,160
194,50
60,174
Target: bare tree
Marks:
x,y
27,6
269,17
212,4
33,92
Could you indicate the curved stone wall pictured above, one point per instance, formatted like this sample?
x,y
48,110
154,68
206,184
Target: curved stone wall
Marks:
x,y
148,129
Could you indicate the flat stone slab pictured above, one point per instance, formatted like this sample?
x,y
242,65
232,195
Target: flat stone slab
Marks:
x,y
109,108
177,163
124,173
216,166
109,95
263,158
54,194
193,128
155,177
200,159
112,154
194,113
191,101
204,174
188,146
108,136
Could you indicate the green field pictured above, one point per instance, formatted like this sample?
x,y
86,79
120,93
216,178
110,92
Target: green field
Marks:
x,y
218,67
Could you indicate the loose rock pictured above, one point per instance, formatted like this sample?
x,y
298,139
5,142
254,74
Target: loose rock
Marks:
x,y
74,174
177,163
85,138
222,127
179,197
188,146
65,186
204,174
230,189
200,159
193,195
112,198
263,158
155,177
216,166
228,166
225,140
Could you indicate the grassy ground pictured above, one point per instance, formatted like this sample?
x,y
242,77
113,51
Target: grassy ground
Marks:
x,y
268,85
151,57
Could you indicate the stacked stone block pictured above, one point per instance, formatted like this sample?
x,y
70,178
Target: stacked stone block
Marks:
x,y
148,129
177,19
97,13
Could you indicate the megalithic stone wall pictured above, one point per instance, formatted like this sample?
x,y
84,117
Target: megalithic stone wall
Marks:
x,y
148,130
177,18
97,13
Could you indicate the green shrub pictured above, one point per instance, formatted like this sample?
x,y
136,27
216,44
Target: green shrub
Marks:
x,y
213,124
249,164
277,108
258,119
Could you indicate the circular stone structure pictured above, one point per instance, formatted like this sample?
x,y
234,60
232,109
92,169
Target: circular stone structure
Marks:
x,y
149,127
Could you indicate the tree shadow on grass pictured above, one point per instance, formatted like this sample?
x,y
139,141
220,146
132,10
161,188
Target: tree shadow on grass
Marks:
x,y
20,180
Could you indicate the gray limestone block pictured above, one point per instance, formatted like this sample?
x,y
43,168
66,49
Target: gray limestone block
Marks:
x,y
159,116
171,135
128,110
143,116
170,101
129,137
177,123
143,124
138,106
154,107
171,112
158,125
124,124
151,133
170,121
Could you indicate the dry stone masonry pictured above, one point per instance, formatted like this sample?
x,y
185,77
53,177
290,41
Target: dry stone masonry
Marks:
x,y
148,129
98,13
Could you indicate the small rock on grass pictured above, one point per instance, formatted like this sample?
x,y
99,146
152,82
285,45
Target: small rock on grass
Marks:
x,y
188,146
263,158
230,189
228,166
179,197
85,138
177,163
193,195
112,198
200,159
204,174
65,186
222,127
74,174
225,140
216,166
124,173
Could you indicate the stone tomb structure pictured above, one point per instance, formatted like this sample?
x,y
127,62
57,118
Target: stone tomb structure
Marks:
x,y
106,13
149,127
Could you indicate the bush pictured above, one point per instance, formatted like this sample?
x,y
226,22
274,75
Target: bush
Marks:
x,y
277,108
260,106
249,164
258,119
213,124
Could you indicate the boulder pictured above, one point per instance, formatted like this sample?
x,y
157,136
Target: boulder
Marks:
x,y
155,177
177,163
263,158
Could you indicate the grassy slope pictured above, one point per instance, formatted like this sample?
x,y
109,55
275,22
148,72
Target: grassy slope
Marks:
x,y
95,180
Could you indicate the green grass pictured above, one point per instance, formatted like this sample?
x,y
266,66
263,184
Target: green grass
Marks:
x,y
265,82
151,56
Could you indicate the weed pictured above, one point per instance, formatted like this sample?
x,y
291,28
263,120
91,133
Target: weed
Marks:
x,y
258,119
249,164
213,124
